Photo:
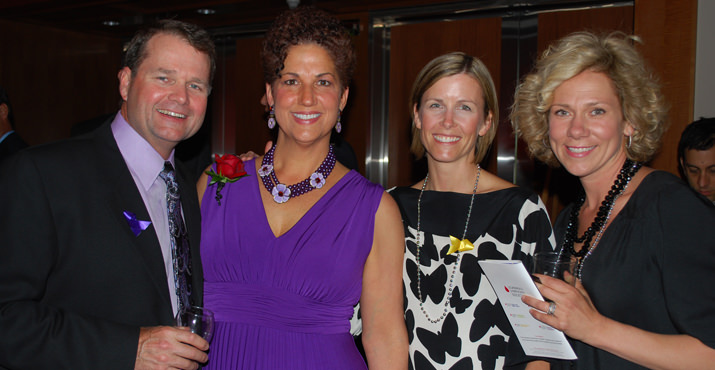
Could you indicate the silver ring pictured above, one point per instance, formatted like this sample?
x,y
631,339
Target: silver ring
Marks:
x,y
552,308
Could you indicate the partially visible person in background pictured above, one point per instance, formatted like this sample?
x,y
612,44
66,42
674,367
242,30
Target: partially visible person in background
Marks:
x,y
696,156
642,239
10,141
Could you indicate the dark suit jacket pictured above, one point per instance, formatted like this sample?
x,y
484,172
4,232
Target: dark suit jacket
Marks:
x,y
12,144
75,283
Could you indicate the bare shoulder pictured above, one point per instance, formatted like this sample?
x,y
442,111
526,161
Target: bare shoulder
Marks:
x,y
202,184
489,182
387,212
388,234
339,170
387,217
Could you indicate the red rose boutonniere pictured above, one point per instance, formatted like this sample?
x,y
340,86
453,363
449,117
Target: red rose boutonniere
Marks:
x,y
229,168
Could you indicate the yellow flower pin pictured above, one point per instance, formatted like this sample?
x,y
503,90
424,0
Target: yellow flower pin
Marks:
x,y
459,245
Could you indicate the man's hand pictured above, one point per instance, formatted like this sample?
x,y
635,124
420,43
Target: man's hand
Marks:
x,y
165,347
251,155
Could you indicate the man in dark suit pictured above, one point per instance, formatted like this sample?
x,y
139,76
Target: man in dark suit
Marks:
x,y
88,267
10,141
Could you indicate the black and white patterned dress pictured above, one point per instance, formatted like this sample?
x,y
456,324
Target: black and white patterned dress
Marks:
x,y
505,224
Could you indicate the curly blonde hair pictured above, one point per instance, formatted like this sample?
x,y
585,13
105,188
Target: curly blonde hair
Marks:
x,y
614,55
449,65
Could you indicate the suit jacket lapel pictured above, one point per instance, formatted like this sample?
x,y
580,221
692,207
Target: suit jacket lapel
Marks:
x,y
124,196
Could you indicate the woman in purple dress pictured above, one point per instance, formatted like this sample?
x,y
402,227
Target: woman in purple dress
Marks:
x,y
285,264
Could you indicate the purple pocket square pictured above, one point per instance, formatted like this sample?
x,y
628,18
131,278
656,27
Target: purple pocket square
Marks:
x,y
136,225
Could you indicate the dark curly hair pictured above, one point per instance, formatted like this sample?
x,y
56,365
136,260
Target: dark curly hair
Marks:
x,y
307,25
699,135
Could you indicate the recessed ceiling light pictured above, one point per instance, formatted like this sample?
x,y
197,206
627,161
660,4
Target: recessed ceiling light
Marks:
x,y
111,23
206,11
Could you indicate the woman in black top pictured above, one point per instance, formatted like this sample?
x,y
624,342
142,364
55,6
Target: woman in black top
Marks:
x,y
644,241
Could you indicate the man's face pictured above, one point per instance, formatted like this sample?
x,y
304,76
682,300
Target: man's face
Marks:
x,y
4,121
165,100
699,168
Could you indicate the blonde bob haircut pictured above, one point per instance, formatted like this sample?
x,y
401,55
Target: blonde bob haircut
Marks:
x,y
449,65
614,55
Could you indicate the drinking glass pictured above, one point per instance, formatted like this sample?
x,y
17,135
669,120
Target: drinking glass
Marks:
x,y
553,264
198,319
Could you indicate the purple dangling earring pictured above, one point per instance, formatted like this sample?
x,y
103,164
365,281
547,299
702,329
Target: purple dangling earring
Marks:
x,y
272,118
339,126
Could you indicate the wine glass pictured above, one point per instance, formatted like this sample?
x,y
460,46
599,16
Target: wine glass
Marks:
x,y
554,264
198,319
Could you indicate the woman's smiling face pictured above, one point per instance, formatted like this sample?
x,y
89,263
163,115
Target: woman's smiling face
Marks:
x,y
451,118
586,125
307,97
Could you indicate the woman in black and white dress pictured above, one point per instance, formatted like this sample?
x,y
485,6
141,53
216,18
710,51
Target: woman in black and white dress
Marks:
x,y
460,214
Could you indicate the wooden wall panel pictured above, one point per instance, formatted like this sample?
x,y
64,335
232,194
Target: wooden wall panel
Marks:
x,y
244,115
669,30
412,46
356,117
554,25
57,78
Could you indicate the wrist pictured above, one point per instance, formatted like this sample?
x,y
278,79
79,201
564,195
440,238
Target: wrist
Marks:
x,y
599,336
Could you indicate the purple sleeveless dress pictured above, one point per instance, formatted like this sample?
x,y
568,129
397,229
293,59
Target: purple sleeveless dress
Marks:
x,y
285,302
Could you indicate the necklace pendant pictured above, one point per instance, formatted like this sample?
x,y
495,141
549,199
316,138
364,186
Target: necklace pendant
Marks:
x,y
281,193
459,245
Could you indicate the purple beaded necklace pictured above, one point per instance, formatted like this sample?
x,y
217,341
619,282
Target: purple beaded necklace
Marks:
x,y
281,192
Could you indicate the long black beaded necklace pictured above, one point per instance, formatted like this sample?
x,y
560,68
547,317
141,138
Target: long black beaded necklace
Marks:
x,y
281,192
629,169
